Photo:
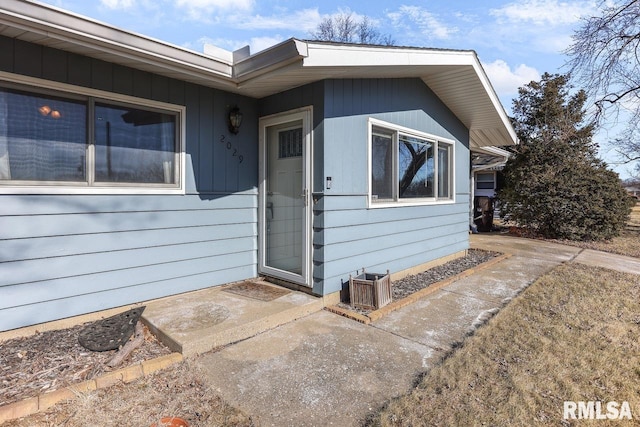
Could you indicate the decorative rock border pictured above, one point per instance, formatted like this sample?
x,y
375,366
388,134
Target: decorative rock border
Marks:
x,y
44,401
395,305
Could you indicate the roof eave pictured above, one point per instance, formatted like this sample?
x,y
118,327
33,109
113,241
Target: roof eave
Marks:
x,y
50,26
430,65
287,65
270,60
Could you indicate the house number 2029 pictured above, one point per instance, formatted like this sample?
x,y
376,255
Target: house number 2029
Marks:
x,y
234,151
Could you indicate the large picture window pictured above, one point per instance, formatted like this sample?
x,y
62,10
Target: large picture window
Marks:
x,y
52,140
409,166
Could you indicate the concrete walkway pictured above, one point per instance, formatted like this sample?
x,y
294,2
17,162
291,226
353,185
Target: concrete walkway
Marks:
x,y
324,369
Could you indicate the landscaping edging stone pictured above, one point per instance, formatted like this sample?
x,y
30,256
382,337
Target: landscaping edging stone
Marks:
x,y
32,405
410,299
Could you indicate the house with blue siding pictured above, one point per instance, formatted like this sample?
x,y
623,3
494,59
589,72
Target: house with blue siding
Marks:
x,y
132,169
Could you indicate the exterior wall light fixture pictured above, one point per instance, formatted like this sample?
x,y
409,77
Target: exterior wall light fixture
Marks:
x,y
235,119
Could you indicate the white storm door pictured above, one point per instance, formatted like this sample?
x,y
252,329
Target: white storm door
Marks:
x,y
284,208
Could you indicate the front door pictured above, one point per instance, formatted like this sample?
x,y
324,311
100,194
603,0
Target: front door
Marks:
x,y
284,206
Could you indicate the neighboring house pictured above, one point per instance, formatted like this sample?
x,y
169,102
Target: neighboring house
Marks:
x,y
633,191
486,166
122,180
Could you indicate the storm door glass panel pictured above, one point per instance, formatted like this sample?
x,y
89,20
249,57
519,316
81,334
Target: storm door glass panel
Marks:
x,y
284,204
134,145
444,171
381,166
42,138
415,167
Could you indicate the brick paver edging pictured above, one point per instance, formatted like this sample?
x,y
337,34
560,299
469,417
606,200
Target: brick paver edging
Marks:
x,y
410,299
43,401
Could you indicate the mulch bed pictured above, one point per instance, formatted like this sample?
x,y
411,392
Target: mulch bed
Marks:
x,y
411,284
52,360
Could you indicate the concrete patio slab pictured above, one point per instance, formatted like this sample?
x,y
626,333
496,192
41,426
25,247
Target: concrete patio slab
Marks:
x,y
201,321
318,371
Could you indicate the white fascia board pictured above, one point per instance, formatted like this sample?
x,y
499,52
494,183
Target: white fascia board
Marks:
x,y
495,151
323,55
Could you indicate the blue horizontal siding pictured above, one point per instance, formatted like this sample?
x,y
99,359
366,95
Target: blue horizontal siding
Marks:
x,y
394,236
13,250
391,228
12,205
83,246
42,311
130,275
383,215
36,270
348,237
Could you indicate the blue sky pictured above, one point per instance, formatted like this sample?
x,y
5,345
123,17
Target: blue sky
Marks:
x,y
516,40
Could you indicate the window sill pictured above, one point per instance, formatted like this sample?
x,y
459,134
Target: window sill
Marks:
x,y
85,190
403,204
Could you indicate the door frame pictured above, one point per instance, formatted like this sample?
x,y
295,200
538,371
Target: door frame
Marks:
x,y
306,115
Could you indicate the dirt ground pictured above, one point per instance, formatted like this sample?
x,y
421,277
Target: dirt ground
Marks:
x,y
173,392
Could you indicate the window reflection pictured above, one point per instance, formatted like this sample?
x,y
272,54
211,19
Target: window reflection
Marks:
x,y
42,138
134,145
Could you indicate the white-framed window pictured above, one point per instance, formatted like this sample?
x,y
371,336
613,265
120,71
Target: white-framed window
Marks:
x,y
485,181
57,138
408,167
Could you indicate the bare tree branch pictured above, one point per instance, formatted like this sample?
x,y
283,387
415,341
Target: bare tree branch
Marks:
x,y
345,28
605,58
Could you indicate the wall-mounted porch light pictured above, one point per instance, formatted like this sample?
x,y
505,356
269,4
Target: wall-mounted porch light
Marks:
x,y
235,119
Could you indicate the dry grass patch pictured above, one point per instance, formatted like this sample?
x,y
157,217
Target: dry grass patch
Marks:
x,y
572,335
177,392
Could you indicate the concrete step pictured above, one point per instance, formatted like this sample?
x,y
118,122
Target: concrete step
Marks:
x,y
200,321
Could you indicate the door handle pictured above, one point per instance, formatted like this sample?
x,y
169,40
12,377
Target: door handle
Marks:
x,y
305,196
269,210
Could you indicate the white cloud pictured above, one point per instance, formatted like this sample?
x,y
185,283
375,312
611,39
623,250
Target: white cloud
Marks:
x,y
201,10
544,12
118,4
305,19
506,81
412,17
